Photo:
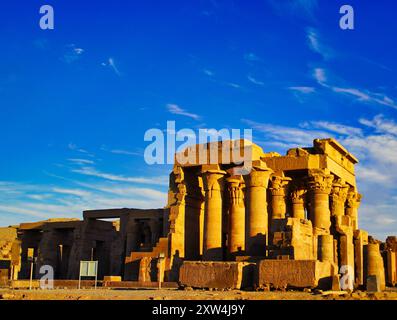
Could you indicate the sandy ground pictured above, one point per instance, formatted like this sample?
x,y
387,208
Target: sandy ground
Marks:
x,y
174,294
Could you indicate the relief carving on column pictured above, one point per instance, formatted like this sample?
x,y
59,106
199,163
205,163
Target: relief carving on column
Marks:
x,y
213,181
298,193
258,178
320,181
279,185
353,199
278,190
338,197
235,188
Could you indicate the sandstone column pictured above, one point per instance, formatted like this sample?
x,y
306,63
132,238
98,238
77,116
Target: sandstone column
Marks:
x,y
352,205
236,238
213,186
257,182
298,196
320,183
338,198
375,265
326,245
278,188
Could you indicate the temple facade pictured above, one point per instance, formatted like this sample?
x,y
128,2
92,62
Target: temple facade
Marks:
x,y
289,221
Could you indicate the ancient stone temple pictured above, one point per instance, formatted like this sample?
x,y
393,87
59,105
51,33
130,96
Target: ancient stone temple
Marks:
x,y
292,218
272,221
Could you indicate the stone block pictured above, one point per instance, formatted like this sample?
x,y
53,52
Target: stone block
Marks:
x,y
335,283
112,279
374,284
216,275
295,274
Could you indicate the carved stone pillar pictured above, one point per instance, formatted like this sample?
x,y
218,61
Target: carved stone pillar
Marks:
x,y
326,245
352,205
278,190
298,199
338,198
236,238
375,264
257,182
213,186
320,183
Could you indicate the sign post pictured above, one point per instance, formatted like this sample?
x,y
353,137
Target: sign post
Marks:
x,y
31,259
88,269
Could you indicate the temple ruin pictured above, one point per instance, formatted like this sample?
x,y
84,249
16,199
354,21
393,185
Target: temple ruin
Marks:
x,y
291,221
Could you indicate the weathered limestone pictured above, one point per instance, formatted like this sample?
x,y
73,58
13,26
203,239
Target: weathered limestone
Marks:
x,y
10,255
338,198
256,183
352,205
303,225
145,269
278,191
375,266
236,240
326,248
217,275
295,274
391,260
360,241
320,183
298,199
213,186
295,242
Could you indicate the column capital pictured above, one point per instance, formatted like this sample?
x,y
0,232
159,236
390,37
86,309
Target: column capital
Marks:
x,y
279,185
298,194
235,185
320,181
258,177
339,191
353,199
212,179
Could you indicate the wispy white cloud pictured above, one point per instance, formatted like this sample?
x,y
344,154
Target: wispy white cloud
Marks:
x,y
304,90
333,127
381,124
73,53
209,72
76,148
255,81
175,109
81,161
90,171
316,45
360,95
111,63
252,57
73,192
126,152
320,76
233,85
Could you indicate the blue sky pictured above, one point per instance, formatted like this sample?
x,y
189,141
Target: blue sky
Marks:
x,y
76,101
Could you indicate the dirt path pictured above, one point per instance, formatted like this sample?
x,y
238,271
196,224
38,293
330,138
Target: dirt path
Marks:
x,y
173,294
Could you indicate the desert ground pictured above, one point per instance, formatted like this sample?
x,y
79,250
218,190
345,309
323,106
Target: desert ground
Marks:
x,y
175,294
